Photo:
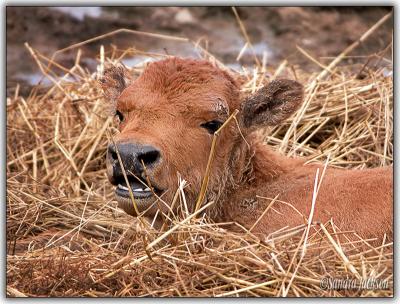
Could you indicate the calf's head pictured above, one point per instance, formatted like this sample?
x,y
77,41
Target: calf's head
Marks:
x,y
167,118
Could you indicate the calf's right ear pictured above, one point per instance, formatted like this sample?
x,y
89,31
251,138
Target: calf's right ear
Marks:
x,y
272,104
114,81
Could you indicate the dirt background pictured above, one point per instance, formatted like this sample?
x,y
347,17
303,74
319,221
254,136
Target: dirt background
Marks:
x,y
276,31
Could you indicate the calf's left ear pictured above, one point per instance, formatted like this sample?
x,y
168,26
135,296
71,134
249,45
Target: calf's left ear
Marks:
x,y
272,104
114,81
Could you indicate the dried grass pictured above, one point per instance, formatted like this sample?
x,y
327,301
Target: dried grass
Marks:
x,y
66,237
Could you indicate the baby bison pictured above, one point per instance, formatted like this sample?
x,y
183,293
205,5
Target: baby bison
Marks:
x,y
167,118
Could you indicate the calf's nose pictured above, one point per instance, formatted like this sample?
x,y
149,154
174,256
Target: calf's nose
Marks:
x,y
134,157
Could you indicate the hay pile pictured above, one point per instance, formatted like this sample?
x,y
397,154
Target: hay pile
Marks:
x,y
66,237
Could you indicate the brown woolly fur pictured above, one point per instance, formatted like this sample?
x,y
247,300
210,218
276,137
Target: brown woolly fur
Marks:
x,y
295,188
167,106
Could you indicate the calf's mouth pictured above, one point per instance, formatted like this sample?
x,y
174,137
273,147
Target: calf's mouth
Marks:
x,y
144,194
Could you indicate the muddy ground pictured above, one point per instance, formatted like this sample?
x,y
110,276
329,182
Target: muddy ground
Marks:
x,y
276,31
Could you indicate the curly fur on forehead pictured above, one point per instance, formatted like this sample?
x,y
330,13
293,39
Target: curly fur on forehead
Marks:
x,y
173,77
190,71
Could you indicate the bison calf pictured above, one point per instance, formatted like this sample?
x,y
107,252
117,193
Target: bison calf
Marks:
x,y
167,118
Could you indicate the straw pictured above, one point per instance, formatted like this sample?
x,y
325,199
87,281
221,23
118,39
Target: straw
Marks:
x,y
66,235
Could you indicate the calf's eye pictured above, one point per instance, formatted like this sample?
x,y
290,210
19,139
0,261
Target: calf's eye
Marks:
x,y
119,115
212,126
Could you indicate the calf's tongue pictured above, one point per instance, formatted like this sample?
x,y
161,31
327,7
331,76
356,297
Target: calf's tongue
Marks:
x,y
135,186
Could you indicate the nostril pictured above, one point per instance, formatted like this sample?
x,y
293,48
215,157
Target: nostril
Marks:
x,y
149,157
114,155
111,151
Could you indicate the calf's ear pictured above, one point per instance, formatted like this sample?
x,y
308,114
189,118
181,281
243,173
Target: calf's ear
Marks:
x,y
114,81
272,104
